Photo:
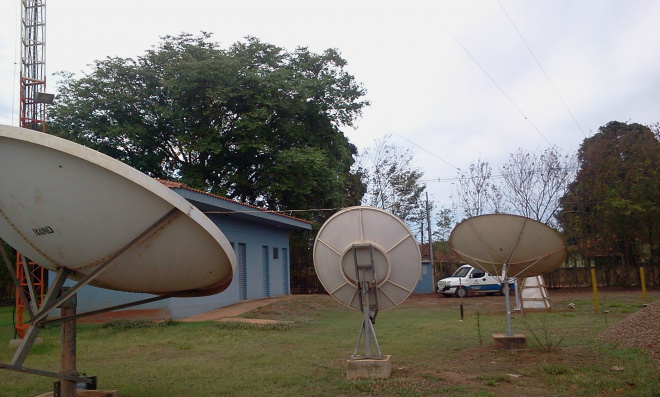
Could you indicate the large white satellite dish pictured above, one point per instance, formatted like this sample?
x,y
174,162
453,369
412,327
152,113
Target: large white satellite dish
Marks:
x,y
525,246
508,246
94,219
367,259
65,205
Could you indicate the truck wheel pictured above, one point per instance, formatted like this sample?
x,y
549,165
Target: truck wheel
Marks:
x,y
461,292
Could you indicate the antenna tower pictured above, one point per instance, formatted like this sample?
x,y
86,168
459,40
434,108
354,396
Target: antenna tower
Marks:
x,y
33,101
33,65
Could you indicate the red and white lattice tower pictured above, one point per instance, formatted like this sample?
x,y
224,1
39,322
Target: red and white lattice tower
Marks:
x,y
33,101
33,65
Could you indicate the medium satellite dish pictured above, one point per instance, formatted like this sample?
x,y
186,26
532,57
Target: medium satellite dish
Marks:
x,y
367,259
396,255
525,246
66,206
508,246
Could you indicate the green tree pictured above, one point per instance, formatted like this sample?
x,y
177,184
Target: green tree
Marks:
x,y
611,209
252,122
445,221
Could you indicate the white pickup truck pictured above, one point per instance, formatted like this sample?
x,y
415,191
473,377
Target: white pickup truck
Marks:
x,y
467,279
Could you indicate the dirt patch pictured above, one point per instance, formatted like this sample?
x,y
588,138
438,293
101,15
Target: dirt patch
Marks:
x,y
144,314
235,310
253,320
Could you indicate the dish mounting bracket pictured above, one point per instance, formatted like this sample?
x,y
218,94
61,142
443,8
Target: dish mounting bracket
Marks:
x,y
365,277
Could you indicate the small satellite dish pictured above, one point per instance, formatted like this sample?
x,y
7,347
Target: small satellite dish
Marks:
x,y
525,246
396,255
66,206
508,246
368,260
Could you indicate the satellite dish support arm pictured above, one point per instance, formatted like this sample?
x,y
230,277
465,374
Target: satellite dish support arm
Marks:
x,y
35,328
55,297
14,279
105,265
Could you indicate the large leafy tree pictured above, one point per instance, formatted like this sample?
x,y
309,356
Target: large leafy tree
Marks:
x,y
611,209
252,122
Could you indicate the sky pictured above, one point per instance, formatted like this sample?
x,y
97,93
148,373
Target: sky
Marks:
x,y
454,82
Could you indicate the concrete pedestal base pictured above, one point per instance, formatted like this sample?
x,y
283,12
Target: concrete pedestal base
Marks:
x,y
89,393
369,368
513,342
14,343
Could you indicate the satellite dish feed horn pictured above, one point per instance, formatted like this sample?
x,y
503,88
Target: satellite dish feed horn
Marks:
x,y
368,260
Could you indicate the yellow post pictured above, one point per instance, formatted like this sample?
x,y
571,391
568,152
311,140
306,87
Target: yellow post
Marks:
x,y
595,289
643,281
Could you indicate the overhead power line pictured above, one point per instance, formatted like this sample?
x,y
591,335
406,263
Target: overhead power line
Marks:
x,y
500,88
542,70
432,154
494,176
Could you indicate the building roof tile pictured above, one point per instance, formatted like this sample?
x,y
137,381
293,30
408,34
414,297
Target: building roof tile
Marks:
x,y
180,185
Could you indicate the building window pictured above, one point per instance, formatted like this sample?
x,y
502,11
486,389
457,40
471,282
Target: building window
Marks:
x,y
276,253
265,271
242,279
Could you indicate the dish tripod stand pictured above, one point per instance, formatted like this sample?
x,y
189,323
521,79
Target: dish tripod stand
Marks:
x,y
365,277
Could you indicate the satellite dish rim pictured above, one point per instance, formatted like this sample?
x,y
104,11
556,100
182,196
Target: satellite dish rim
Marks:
x,y
100,159
92,157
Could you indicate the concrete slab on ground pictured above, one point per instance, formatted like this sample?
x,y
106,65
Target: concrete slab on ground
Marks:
x,y
233,310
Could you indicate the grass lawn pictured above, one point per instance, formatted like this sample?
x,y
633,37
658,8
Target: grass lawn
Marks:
x,y
433,353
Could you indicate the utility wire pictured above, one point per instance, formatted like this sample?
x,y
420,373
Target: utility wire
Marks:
x,y
495,176
280,212
542,70
432,154
501,90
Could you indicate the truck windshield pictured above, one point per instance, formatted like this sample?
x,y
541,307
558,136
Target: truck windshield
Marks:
x,y
461,272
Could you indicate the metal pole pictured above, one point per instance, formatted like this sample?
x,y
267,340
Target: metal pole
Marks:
x,y
68,352
366,320
516,288
509,331
428,221
643,282
594,287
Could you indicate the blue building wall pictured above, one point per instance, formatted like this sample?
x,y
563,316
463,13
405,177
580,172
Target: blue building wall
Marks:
x,y
425,284
261,243
254,238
